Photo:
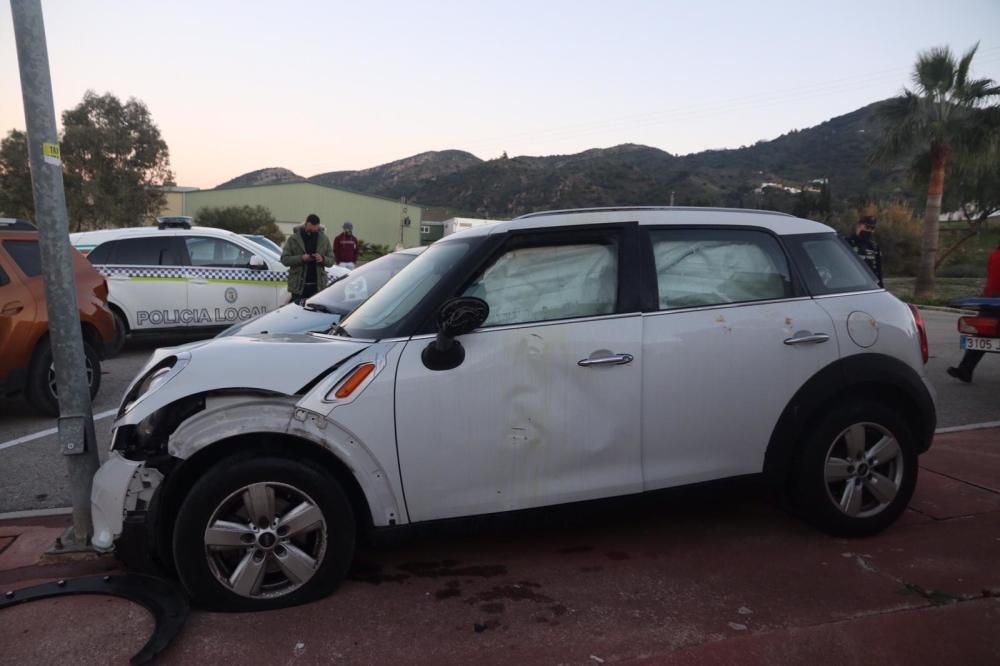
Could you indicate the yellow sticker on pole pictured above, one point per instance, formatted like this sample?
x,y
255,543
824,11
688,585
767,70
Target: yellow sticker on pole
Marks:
x,y
50,153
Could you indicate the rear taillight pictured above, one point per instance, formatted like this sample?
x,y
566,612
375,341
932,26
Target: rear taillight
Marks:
x,y
921,331
986,327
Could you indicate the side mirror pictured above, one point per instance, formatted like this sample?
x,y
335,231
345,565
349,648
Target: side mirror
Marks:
x,y
457,316
461,315
257,264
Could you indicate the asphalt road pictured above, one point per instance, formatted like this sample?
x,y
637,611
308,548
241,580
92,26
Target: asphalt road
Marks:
x,y
33,473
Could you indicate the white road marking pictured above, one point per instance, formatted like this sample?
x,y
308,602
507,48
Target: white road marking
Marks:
x,y
50,431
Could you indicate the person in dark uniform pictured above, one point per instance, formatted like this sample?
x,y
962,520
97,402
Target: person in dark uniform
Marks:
x,y
864,245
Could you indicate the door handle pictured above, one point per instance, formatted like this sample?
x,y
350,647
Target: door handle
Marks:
x,y
12,308
806,338
614,359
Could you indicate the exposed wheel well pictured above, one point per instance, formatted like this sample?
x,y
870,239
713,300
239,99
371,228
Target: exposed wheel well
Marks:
x,y
187,472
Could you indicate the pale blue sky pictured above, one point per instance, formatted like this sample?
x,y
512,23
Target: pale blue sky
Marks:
x,y
321,86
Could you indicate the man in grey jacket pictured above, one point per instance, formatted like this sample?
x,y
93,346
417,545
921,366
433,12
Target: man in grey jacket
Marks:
x,y
307,252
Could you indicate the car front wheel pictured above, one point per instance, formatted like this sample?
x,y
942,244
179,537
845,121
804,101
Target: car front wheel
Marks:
x,y
263,533
857,471
42,391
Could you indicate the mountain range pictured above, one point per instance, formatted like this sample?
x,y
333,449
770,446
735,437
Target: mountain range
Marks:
x,y
453,182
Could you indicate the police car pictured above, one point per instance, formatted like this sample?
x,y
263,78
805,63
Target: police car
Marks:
x,y
176,277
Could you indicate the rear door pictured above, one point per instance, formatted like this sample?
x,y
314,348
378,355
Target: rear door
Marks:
x,y
733,338
147,280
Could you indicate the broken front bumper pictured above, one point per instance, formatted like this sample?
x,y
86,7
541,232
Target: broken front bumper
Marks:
x,y
120,486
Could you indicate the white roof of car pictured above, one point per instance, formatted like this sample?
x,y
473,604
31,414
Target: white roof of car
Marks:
x,y
103,235
779,223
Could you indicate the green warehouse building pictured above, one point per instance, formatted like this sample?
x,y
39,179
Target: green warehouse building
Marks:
x,y
376,219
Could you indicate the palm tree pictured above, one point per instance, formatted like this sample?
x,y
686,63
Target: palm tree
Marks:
x,y
939,115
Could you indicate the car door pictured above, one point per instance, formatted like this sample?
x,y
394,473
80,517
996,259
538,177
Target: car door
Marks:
x,y
222,284
544,407
732,339
19,300
146,280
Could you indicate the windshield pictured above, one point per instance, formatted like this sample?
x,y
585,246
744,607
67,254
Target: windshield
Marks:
x,y
346,294
377,316
264,241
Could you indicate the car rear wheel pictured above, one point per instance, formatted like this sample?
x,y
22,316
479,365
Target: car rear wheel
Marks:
x,y
263,533
121,332
42,391
857,471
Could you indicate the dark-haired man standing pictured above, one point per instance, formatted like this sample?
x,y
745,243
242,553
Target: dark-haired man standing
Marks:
x,y
307,252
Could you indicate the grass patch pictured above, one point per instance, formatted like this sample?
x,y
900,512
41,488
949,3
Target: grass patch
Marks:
x,y
947,289
970,259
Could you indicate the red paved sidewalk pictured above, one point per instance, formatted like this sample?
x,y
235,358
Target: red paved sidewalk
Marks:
x,y
705,577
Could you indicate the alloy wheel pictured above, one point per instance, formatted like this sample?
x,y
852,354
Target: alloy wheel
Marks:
x,y
863,470
265,540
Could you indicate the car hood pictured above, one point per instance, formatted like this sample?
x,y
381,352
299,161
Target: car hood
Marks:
x,y
291,318
273,363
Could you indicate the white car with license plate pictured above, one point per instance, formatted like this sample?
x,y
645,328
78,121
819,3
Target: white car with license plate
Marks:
x,y
181,277
555,358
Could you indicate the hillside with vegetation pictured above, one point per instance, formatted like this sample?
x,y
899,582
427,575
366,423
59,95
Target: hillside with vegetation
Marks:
x,y
835,152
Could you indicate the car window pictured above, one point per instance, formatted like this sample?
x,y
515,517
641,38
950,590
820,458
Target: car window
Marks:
x,y
150,251
4,280
699,267
217,253
829,266
26,255
530,284
100,254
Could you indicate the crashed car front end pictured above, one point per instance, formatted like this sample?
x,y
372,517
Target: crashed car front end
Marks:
x,y
188,397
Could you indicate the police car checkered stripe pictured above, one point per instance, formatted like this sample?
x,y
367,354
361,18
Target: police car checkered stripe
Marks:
x,y
194,272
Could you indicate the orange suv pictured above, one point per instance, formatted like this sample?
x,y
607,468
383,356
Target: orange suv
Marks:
x,y
25,352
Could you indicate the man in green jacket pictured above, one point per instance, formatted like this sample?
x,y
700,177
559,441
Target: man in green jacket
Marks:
x,y
307,252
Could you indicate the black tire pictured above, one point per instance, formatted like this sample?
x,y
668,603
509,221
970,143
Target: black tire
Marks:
x,y
818,497
39,390
121,333
201,569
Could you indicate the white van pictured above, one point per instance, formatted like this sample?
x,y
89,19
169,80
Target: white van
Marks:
x,y
178,277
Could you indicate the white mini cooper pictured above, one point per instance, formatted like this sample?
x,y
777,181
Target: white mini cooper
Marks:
x,y
555,358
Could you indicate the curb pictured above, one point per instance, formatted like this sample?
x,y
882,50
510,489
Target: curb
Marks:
x,y
942,308
37,513
970,426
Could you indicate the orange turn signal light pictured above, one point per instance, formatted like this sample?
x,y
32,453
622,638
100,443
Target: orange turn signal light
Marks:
x,y
354,380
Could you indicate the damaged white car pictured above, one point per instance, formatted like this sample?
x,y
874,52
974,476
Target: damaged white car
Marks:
x,y
559,357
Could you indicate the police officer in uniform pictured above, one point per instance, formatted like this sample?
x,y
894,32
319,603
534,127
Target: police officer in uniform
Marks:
x,y
864,245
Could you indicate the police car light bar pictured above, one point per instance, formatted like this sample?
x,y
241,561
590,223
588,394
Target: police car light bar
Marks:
x,y
177,222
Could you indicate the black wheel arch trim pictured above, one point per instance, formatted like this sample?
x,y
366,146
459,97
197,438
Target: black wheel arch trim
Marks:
x,y
871,376
164,600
